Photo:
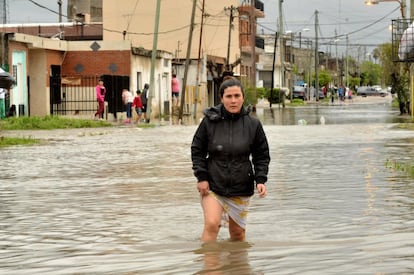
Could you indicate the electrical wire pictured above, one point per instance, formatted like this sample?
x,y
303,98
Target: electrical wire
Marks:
x,y
133,12
364,27
46,8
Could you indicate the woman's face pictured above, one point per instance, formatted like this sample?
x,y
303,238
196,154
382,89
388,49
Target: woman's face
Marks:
x,y
233,99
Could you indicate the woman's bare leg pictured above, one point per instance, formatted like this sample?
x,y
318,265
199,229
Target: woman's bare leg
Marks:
x,y
237,233
212,218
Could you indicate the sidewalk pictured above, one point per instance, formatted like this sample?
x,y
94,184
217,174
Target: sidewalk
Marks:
x,y
264,103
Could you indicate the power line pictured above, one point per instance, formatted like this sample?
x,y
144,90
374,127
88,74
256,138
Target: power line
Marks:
x,y
367,26
133,12
44,7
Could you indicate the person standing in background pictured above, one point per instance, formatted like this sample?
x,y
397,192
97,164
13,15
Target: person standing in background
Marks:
x,y
175,88
127,99
2,103
144,99
137,103
100,98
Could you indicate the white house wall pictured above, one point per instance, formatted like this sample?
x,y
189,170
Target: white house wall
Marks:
x,y
161,92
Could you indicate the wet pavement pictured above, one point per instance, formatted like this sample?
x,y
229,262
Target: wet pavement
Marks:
x,y
123,200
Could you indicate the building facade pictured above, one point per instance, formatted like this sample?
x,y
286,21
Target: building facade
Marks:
x,y
47,59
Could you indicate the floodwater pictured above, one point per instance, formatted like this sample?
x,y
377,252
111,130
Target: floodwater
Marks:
x,y
124,201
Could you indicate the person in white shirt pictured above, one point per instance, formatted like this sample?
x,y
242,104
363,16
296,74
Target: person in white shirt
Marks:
x,y
127,98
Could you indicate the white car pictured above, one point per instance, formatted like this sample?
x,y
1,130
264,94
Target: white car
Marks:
x,y
365,91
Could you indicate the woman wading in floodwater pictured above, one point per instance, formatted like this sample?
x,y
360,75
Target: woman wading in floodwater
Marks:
x,y
221,149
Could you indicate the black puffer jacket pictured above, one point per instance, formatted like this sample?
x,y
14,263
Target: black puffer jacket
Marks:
x,y
221,150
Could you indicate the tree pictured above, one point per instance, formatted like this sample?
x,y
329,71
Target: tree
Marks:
x,y
395,75
324,78
370,73
388,66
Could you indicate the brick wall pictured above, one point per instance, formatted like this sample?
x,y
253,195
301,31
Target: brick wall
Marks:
x,y
97,63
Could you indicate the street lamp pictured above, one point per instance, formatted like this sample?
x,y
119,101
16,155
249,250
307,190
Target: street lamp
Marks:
x,y
401,2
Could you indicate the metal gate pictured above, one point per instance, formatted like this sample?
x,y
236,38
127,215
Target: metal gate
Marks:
x,y
75,95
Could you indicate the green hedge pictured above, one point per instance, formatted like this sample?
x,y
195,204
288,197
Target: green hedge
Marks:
x,y
273,96
252,95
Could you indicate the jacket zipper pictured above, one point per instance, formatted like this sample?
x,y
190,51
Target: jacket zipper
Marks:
x,y
230,154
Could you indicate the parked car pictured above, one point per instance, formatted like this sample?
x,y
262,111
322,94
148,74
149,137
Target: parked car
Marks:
x,y
371,91
321,95
299,92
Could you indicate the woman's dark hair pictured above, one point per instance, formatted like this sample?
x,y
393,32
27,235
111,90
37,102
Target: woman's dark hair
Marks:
x,y
230,82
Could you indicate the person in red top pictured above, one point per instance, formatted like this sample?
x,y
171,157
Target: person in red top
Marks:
x,y
137,103
100,98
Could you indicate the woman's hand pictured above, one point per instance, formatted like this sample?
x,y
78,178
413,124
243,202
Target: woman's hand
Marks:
x,y
203,188
261,190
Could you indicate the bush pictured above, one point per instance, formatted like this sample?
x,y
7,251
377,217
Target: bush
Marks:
x,y
250,97
261,92
273,96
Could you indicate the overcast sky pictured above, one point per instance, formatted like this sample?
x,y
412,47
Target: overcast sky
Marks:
x,y
367,26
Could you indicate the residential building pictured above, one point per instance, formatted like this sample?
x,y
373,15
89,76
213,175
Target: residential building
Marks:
x,y
121,46
251,45
298,62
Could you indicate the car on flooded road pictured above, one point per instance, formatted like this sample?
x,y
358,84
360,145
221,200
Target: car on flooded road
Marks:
x,y
299,92
365,91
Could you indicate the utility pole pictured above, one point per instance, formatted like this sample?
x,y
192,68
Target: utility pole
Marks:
x,y
229,41
187,60
176,55
199,61
336,56
346,60
281,48
310,47
60,10
253,42
60,18
4,11
273,71
411,10
153,57
316,57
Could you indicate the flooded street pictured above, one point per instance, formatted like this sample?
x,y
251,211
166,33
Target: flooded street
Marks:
x,y
123,200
